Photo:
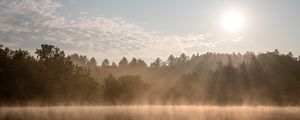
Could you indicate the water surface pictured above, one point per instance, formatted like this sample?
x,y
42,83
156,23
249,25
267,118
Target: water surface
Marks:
x,y
150,113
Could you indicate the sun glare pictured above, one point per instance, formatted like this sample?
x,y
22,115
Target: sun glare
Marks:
x,y
233,21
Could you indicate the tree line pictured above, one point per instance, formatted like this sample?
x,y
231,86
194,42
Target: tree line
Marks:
x,y
50,78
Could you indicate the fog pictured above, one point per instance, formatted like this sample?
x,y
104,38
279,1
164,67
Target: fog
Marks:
x,y
150,113
53,78
52,85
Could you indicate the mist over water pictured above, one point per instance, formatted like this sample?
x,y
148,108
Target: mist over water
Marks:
x,y
154,112
210,86
116,60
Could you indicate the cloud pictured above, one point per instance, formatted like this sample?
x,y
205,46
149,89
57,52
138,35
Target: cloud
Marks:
x,y
25,23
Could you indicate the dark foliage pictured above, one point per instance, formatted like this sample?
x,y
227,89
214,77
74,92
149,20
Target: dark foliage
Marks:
x,y
269,78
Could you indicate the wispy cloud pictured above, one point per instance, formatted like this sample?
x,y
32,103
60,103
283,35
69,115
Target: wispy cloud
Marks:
x,y
28,22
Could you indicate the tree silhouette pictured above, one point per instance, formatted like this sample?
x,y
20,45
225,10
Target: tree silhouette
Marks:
x,y
105,63
156,63
123,62
50,77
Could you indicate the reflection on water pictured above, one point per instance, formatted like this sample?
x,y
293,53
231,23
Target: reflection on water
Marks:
x,y
150,113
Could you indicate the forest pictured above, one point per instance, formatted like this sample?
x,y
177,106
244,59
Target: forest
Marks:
x,y
50,77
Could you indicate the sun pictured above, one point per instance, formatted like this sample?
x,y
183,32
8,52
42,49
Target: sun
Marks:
x,y
233,21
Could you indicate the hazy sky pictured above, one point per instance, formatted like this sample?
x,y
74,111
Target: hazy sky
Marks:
x,y
149,28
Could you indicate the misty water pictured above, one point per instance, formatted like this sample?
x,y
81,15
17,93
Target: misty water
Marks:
x,y
150,113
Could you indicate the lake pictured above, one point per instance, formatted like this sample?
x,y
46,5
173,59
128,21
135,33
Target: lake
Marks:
x,y
154,112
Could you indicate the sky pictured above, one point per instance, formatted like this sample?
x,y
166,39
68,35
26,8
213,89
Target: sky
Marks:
x,y
148,29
